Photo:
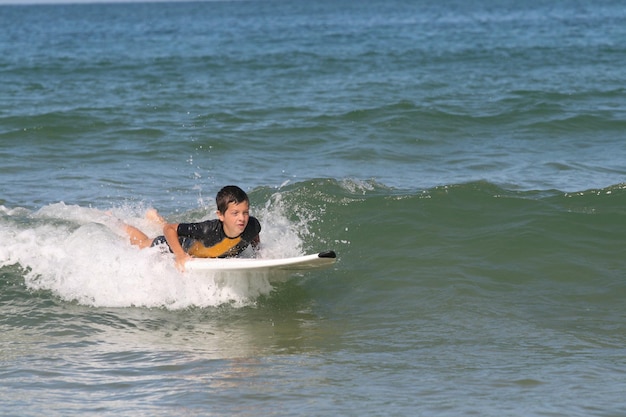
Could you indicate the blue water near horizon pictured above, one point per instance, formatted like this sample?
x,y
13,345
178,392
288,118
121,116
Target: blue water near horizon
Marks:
x,y
465,160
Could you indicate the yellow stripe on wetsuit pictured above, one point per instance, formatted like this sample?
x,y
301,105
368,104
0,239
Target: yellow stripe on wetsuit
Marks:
x,y
198,250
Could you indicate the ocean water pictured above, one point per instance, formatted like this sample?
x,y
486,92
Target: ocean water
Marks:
x,y
466,160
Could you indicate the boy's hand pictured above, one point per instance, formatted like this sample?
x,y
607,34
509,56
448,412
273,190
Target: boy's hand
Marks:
x,y
181,260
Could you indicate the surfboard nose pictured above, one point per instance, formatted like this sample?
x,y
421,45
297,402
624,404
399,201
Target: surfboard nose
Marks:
x,y
327,254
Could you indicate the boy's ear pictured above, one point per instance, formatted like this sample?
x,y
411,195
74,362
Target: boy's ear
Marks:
x,y
220,215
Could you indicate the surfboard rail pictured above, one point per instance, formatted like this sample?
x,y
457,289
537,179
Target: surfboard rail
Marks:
x,y
296,263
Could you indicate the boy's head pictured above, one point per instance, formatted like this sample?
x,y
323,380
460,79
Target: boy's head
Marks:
x,y
230,194
233,210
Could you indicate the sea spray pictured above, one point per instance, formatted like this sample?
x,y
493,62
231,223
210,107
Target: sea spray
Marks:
x,y
82,255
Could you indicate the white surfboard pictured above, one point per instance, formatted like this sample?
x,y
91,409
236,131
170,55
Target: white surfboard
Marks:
x,y
297,263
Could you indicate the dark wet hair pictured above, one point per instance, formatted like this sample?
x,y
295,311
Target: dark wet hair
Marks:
x,y
230,194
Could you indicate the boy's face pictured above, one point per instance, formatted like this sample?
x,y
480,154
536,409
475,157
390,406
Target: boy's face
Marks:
x,y
235,219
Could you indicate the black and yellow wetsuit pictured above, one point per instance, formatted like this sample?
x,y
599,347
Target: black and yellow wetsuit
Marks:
x,y
208,240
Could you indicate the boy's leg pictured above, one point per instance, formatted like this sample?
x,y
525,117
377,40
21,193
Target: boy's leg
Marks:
x,y
137,237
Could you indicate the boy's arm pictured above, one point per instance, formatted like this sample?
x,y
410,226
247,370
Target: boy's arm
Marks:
x,y
170,231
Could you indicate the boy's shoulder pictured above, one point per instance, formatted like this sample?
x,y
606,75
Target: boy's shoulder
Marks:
x,y
254,226
205,225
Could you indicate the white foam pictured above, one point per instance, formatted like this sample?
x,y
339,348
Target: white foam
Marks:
x,y
82,254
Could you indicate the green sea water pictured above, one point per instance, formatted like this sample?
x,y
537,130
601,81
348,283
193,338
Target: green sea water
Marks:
x,y
465,161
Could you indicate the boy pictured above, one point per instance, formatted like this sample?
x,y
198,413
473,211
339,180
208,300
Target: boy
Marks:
x,y
228,235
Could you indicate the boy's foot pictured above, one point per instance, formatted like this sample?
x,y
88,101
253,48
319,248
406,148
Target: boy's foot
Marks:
x,y
155,217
